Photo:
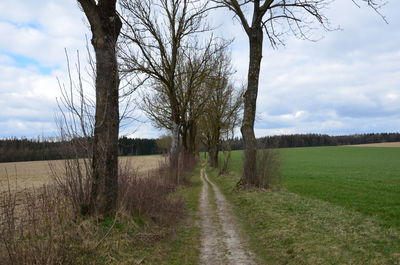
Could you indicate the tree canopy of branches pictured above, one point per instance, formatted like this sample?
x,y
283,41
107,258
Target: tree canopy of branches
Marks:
x,y
105,26
156,38
224,103
275,18
194,91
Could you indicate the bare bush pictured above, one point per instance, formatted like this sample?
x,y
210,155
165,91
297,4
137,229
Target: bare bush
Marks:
x,y
227,153
148,196
44,226
36,228
74,182
187,164
268,167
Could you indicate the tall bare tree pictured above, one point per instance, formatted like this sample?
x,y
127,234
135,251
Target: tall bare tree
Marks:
x,y
221,113
156,35
193,92
193,95
275,18
105,26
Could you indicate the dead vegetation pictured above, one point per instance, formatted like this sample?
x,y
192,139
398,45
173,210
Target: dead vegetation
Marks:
x,y
38,173
268,167
43,225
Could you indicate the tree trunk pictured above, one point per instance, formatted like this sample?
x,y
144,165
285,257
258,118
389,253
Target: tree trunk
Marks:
x,y
213,148
174,153
105,26
250,177
105,149
185,139
213,156
192,138
227,157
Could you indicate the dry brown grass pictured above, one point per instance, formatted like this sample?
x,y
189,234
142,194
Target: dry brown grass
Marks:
x,y
43,226
142,164
37,173
391,144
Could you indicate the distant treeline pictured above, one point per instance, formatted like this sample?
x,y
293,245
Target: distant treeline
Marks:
x,y
14,150
137,146
307,140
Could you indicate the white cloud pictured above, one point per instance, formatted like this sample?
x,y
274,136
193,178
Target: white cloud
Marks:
x,y
346,83
41,29
34,35
144,129
28,102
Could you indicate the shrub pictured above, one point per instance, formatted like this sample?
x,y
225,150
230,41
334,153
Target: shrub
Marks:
x,y
187,163
45,226
36,228
73,180
148,196
268,167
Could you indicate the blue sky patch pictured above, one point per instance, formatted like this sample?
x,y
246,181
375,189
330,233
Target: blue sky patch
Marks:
x,y
31,25
22,61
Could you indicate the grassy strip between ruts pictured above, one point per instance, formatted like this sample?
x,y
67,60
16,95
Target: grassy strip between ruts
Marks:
x,y
286,228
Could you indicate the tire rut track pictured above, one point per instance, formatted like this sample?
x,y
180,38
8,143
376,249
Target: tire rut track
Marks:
x,y
221,242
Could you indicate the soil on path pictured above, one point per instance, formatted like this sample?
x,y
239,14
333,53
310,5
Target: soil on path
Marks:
x,y
221,241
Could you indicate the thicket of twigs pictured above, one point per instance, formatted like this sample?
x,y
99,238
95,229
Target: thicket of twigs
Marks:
x,y
268,167
43,226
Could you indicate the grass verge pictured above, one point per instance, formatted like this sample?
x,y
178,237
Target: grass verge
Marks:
x,y
362,179
286,228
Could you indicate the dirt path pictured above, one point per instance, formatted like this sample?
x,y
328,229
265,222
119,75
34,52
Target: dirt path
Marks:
x,y
221,241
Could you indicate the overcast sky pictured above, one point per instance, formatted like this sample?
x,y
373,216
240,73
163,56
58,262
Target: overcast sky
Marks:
x,y
348,82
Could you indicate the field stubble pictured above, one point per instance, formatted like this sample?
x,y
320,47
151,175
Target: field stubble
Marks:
x,y
388,144
40,226
37,173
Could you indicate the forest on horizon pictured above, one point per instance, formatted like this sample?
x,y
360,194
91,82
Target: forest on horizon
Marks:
x,y
23,149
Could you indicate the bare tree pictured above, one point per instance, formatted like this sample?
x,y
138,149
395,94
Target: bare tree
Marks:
x,y
156,35
105,26
75,121
164,143
275,18
220,115
193,93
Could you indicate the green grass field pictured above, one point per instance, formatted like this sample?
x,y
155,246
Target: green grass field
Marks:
x,y
338,205
364,179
